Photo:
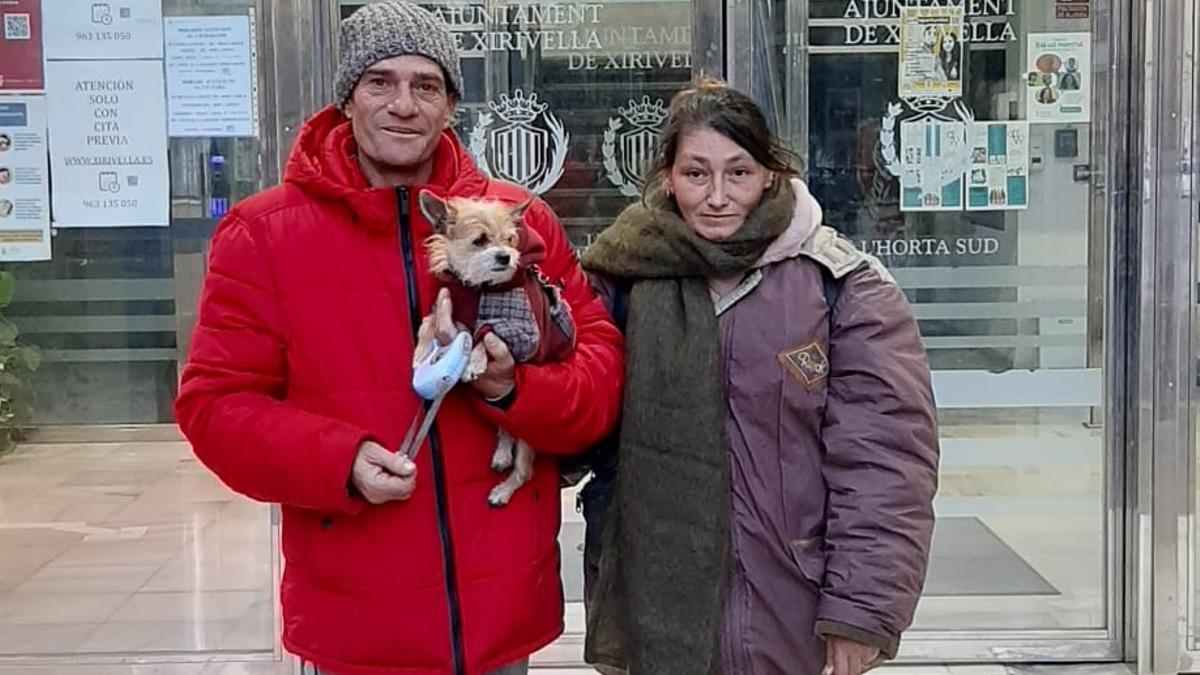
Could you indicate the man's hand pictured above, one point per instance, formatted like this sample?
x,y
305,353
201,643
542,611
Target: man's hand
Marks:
x,y
847,657
500,377
381,476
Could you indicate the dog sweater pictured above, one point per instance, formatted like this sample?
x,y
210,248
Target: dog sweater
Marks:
x,y
528,313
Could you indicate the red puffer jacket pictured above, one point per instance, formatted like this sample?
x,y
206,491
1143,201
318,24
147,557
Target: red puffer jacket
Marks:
x,y
303,350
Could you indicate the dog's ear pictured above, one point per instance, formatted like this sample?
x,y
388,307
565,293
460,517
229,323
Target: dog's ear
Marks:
x,y
518,212
436,211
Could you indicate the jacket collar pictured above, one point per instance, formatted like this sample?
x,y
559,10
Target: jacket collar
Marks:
x,y
324,164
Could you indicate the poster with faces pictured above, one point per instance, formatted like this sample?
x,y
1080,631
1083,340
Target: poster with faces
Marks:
x,y
24,179
932,154
998,174
1058,77
931,52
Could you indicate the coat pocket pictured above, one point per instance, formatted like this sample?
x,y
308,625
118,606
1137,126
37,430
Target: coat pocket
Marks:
x,y
809,555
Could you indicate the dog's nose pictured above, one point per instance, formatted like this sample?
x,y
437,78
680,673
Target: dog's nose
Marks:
x,y
503,258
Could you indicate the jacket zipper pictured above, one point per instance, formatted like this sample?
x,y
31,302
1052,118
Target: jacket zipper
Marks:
x,y
737,647
435,444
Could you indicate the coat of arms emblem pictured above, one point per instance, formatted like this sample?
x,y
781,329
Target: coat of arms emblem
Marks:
x,y
528,146
627,151
922,109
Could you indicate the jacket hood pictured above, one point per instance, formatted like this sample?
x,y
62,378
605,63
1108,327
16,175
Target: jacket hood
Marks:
x,y
324,164
806,221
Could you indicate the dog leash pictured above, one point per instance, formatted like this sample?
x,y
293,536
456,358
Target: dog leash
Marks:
x,y
433,379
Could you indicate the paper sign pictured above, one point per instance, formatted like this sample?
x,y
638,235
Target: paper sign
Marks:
x,y
1058,85
108,148
118,29
24,180
932,165
21,46
931,52
210,70
1071,9
998,175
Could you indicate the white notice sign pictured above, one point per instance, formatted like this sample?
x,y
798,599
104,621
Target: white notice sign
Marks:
x,y
108,146
118,29
210,75
932,161
24,180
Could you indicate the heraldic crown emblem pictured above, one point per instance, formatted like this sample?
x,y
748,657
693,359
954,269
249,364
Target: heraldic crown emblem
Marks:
x,y
527,147
627,152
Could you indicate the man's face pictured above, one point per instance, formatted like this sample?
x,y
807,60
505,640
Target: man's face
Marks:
x,y
5,141
5,176
398,110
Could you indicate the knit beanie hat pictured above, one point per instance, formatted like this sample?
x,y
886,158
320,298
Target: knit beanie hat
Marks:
x,y
382,30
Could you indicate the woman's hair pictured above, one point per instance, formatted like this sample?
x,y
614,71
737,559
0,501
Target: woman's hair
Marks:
x,y
713,104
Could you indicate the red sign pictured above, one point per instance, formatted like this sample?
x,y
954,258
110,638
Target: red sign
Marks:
x,y
1071,11
21,46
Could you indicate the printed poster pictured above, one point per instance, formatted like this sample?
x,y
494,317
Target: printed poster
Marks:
x,y
21,46
210,77
931,52
1058,79
24,180
118,29
109,147
931,165
998,175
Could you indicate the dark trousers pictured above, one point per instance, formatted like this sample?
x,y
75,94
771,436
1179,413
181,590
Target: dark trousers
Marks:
x,y
521,668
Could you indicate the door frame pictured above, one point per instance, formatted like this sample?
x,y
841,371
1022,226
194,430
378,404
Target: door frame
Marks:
x,y
1114,253
1165,198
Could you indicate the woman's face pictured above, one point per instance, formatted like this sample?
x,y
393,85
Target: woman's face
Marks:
x,y
948,42
716,183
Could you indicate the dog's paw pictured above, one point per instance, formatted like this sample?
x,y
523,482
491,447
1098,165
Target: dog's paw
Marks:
x,y
500,495
472,373
476,367
502,459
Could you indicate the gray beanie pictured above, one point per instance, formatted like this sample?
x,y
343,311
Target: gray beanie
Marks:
x,y
382,30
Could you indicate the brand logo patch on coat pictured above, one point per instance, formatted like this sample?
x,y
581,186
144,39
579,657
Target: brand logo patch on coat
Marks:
x,y
808,364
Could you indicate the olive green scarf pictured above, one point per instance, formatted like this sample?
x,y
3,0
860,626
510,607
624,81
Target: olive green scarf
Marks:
x,y
657,605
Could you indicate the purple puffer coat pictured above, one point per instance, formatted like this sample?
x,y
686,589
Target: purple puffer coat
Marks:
x,y
833,446
833,450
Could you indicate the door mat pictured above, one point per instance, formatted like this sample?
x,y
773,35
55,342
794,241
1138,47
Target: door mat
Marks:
x,y
968,559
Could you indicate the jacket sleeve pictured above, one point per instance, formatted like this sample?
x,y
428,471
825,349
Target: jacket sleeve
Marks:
x,y
562,408
880,464
230,404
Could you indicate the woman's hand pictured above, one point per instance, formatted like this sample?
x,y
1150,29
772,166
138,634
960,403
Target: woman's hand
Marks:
x,y
847,657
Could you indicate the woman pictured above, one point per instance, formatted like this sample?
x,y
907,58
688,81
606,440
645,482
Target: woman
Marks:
x,y
772,508
949,56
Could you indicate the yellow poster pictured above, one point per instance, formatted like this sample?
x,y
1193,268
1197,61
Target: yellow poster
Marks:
x,y
931,52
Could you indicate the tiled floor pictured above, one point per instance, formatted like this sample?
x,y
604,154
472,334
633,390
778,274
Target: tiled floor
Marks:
x,y
132,547
129,547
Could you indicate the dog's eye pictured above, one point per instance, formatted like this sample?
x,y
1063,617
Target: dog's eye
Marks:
x,y
480,241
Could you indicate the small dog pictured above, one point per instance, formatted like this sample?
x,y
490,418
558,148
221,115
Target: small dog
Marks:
x,y
488,261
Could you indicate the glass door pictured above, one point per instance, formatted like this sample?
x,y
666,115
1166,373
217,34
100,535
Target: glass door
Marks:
x,y
965,147
116,545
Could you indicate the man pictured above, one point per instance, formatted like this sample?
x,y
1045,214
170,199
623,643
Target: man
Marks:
x,y
1070,79
5,175
298,388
